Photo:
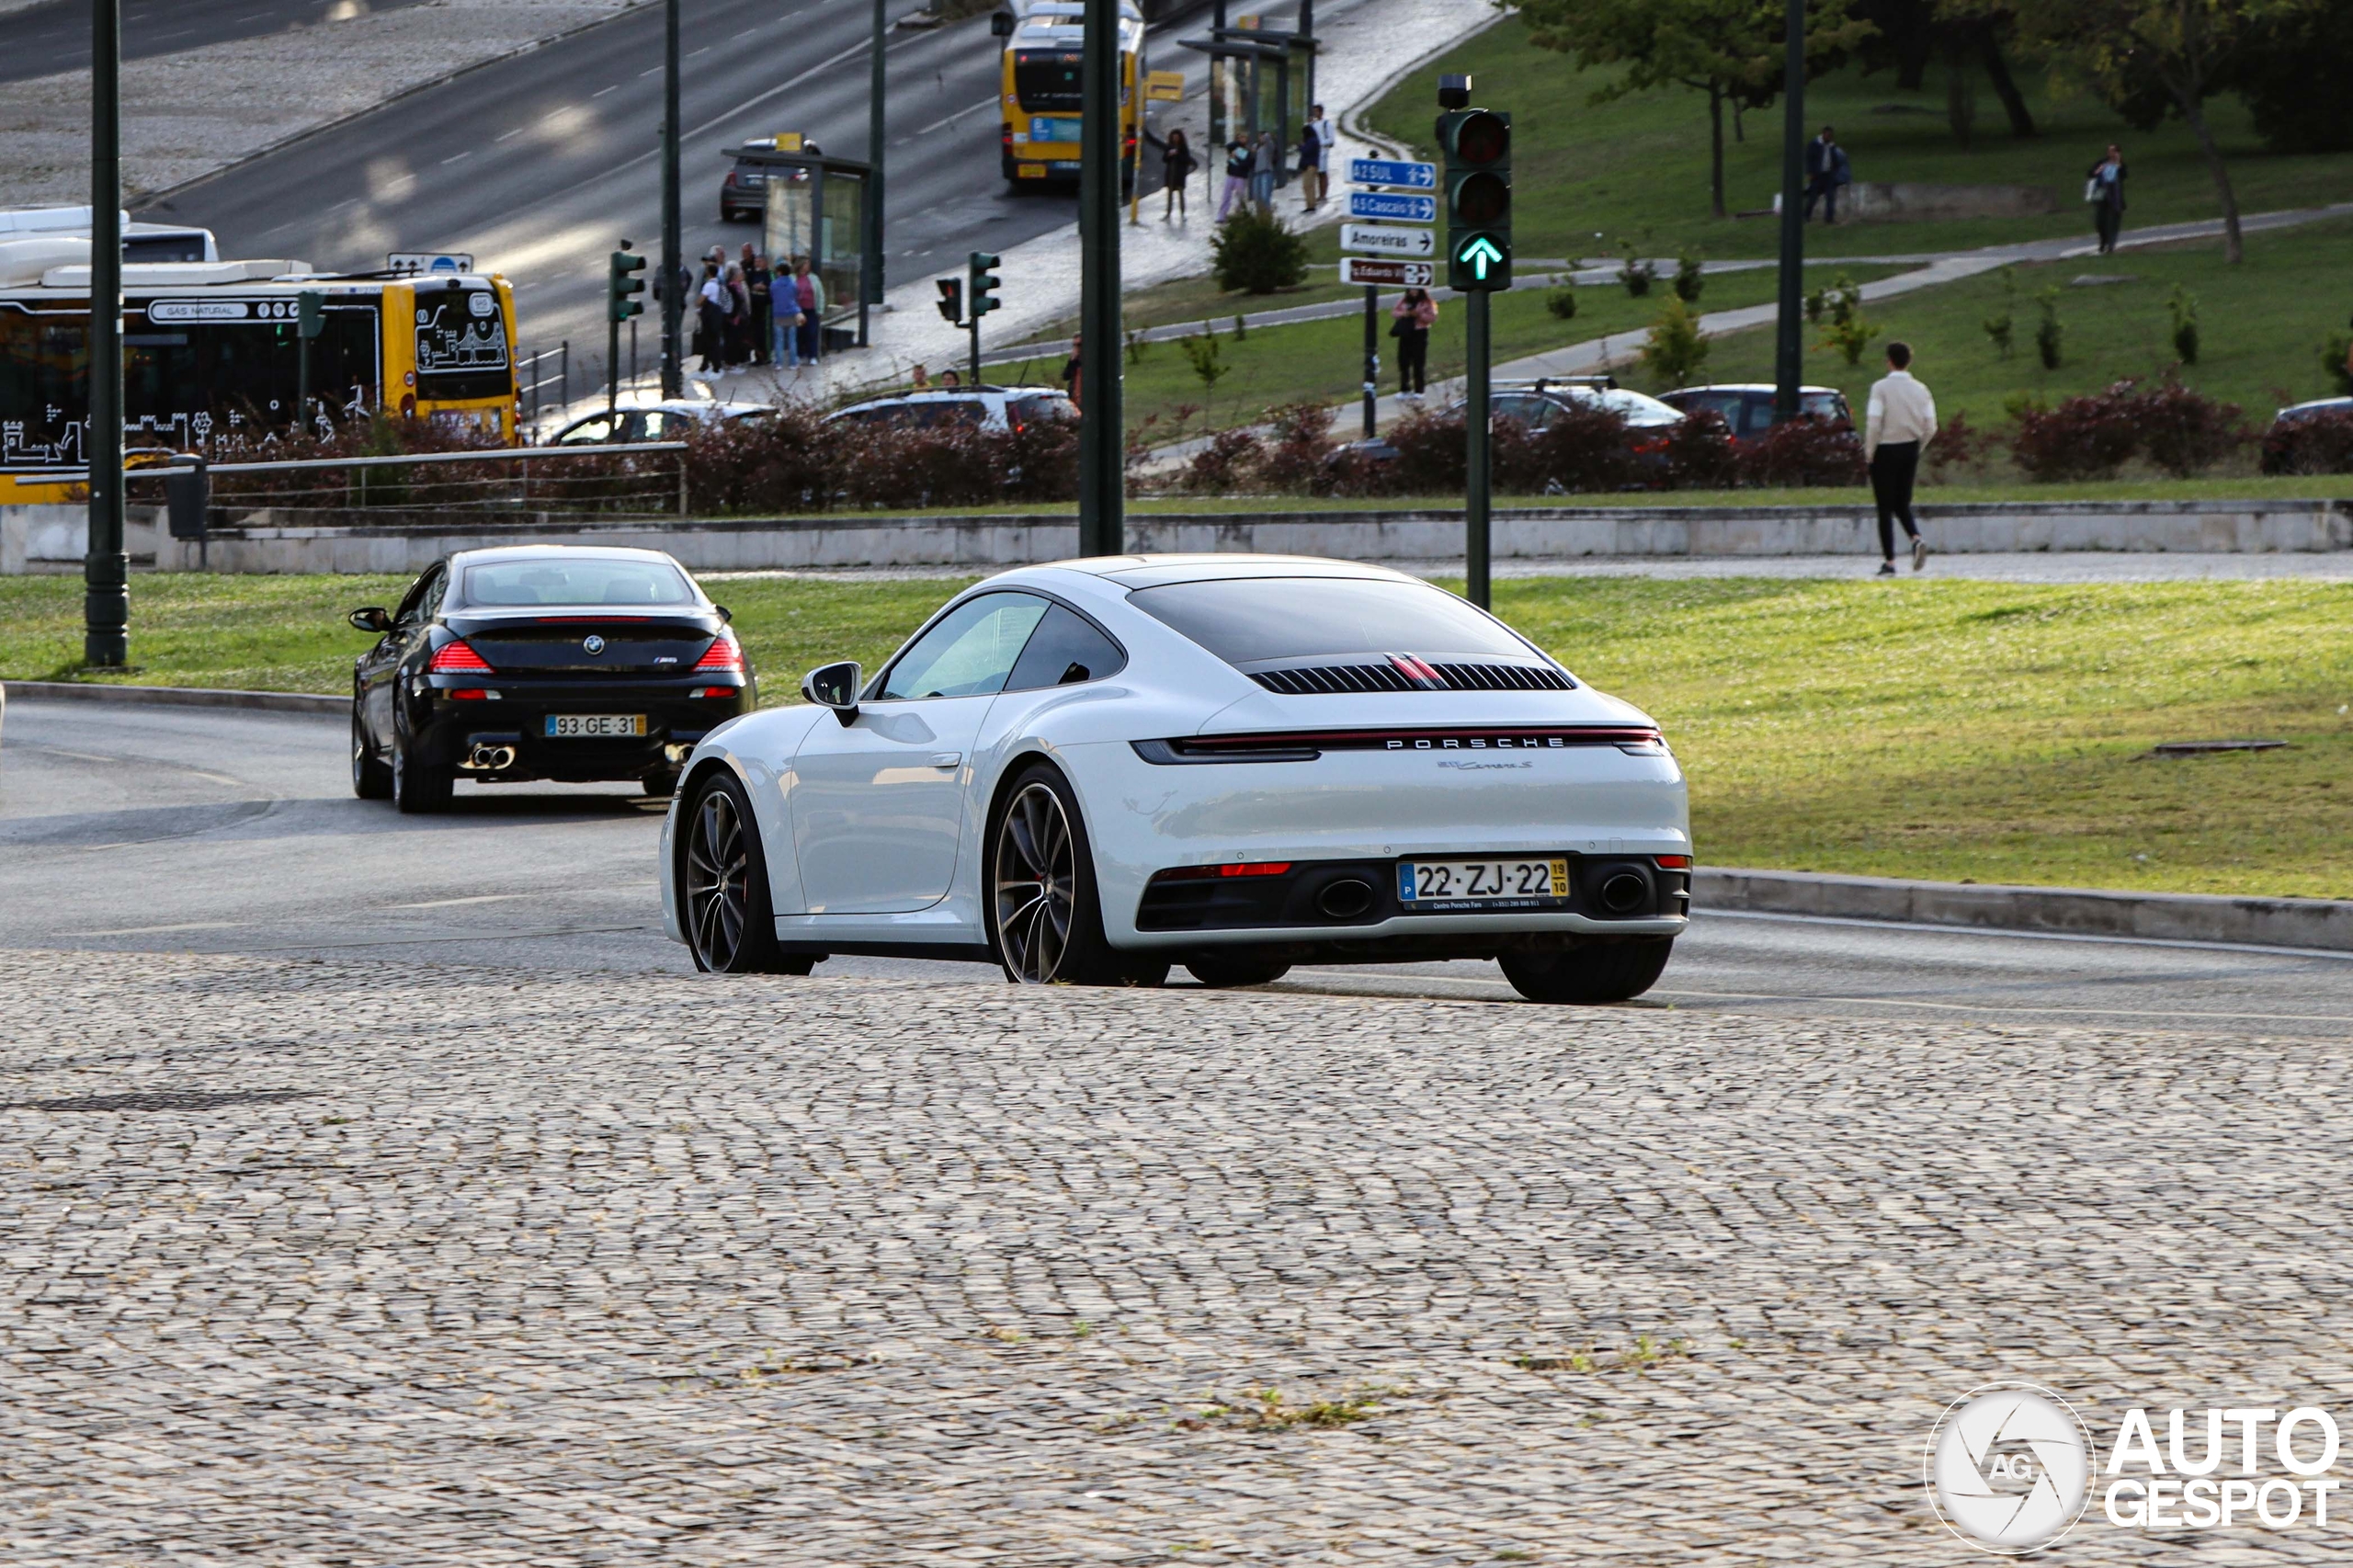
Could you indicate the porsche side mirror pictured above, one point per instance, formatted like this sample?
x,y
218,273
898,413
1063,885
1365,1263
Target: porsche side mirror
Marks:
x,y
372,618
835,686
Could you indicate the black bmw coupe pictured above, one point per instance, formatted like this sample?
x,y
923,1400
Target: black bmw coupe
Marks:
x,y
541,662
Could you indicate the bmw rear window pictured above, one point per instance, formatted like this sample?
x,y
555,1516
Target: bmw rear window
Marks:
x,y
501,583
1248,620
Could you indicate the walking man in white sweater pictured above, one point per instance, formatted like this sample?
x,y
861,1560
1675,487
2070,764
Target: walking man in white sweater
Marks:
x,y
1900,421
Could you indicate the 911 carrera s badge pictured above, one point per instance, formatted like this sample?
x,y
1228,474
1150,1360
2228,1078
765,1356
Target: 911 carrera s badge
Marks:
x,y
592,645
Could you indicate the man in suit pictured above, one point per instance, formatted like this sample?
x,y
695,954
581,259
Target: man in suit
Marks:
x,y
1825,170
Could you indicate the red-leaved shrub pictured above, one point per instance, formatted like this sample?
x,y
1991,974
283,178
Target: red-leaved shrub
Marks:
x,y
2319,442
1803,451
2083,437
2185,432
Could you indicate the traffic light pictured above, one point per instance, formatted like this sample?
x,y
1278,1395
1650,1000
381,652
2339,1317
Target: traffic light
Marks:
x,y
310,313
981,286
1477,145
621,282
951,301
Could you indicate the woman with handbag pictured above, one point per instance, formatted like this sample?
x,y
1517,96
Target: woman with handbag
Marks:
x,y
1412,317
2104,187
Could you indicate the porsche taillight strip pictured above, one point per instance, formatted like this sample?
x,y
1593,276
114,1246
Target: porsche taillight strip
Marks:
x,y
1306,745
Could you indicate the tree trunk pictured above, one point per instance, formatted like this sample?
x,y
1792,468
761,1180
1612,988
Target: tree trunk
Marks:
x,y
2233,245
1961,93
1998,72
1739,131
1716,149
1912,46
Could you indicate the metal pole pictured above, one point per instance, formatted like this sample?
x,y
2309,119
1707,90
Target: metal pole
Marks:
x,y
105,569
871,275
673,368
1371,356
1476,435
1788,345
1101,472
974,324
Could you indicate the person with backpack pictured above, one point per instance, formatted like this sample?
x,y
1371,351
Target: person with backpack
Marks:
x,y
1238,159
2104,188
1412,317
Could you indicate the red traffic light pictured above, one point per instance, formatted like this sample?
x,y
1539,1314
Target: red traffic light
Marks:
x,y
1481,137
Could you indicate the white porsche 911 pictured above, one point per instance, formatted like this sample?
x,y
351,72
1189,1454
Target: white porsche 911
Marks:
x,y
1090,771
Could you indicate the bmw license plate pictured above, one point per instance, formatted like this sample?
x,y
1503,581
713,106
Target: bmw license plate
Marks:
x,y
1508,882
595,726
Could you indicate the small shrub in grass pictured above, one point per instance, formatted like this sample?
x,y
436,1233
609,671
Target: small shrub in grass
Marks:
x,y
1634,272
1257,254
1563,303
1689,277
2185,432
2316,443
2083,437
2335,350
1802,453
2182,305
1675,351
2002,325
2049,334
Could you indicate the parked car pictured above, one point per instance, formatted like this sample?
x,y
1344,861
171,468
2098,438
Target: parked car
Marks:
x,y
2280,455
1532,404
988,408
668,421
541,662
1089,771
1747,407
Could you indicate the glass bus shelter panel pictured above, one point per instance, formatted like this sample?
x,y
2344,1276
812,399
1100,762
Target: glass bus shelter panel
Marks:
x,y
789,228
840,258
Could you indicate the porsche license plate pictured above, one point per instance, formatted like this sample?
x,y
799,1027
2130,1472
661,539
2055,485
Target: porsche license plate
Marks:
x,y
1508,882
595,726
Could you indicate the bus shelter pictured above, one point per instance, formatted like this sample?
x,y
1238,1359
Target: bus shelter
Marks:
x,y
817,207
1260,79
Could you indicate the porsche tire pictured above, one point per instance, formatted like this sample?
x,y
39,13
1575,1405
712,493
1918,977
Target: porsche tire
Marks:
x,y
1045,922
1590,972
723,888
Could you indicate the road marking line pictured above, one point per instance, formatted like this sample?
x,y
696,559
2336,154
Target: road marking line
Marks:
x,y
970,109
512,134
467,154
602,91
153,930
478,898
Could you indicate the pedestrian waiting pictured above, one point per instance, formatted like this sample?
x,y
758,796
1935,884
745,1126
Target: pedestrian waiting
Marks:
x,y
1326,137
1176,166
1826,168
1412,317
1266,159
757,279
1238,158
1898,424
811,288
2104,188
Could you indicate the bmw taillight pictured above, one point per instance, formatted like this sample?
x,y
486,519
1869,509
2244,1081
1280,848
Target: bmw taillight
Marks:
x,y
724,654
458,657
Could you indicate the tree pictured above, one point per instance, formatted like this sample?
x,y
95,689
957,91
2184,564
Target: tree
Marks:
x,y
2187,48
2292,74
1910,33
1730,50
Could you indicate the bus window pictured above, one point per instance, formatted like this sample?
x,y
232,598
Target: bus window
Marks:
x,y
249,371
1048,81
44,371
460,345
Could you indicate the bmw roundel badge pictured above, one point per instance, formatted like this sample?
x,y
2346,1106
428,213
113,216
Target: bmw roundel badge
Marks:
x,y
592,645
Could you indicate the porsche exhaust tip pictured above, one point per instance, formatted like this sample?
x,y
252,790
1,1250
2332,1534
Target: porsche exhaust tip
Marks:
x,y
1625,893
1344,899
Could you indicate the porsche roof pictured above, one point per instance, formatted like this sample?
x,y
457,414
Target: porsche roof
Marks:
x,y
1153,571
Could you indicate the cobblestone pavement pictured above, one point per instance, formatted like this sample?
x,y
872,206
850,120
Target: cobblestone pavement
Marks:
x,y
320,1264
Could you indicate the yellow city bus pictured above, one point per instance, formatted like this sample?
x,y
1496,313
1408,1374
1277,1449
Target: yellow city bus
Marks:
x,y
211,348
1043,74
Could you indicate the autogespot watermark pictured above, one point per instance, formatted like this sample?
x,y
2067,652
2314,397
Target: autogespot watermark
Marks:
x,y
2010,1468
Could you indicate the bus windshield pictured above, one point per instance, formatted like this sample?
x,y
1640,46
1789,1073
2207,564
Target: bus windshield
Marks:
x,y
1048,81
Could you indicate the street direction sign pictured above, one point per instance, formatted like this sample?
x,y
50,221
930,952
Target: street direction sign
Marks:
x,y
1391,170
1393,206
1382,239
1382,272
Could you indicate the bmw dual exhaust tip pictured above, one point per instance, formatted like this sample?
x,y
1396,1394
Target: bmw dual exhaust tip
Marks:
x,y
490,758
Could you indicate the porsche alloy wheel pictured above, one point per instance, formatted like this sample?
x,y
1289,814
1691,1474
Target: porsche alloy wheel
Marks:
x,y
1035,888
729,927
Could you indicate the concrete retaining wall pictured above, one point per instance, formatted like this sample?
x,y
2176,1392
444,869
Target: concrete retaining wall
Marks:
x,y
988,541
38,539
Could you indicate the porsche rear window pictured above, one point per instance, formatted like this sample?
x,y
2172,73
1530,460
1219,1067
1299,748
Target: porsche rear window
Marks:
x,y
576,582
1251,619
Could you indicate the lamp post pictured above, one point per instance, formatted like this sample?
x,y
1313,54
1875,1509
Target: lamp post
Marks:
x,y
870,273
1101,472
1789,346
674,381
105,569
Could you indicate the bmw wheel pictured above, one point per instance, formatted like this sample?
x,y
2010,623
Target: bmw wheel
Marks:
x,y
417,786
729,926
1043,911
370,780
1589,971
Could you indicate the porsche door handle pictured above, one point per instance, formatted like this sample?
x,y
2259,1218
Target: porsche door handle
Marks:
x,y
948,759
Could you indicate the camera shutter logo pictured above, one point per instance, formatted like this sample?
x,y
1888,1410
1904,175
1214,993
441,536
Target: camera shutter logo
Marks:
x,y
2008,1468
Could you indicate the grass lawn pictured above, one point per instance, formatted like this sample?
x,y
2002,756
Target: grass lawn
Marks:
x,y
2260,326
1638,167
1922,728
1323,360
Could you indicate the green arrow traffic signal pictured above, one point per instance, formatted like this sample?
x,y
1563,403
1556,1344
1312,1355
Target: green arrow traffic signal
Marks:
x,y
1482,255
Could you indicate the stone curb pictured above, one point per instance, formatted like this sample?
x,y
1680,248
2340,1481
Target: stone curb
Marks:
x,y
2322,924
174,696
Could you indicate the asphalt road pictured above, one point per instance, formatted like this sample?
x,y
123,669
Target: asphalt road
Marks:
x,y
56,37
165,829
536,164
